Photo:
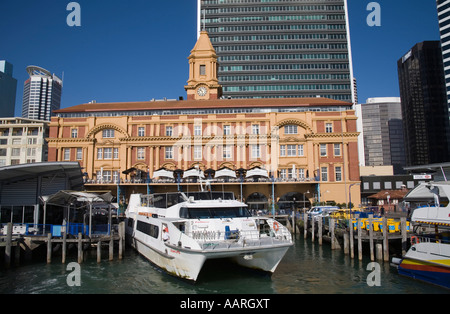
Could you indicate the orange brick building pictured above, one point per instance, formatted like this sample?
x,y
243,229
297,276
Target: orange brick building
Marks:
x,y
308,145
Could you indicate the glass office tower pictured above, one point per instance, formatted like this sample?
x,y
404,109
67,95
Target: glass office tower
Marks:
x,y
41,94
279,48
443,8
8,88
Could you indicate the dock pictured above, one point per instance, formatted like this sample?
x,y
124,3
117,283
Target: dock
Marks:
x,y
17,244
354,235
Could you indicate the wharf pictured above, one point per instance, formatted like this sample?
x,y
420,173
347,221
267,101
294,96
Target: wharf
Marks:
x,y
22,243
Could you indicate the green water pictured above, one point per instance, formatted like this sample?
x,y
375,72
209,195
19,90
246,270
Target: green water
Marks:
x,y
306,269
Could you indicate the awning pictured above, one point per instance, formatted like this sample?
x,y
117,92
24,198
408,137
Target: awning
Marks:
x,y
424,191
257,172
193,172
64,197
163,173
225,172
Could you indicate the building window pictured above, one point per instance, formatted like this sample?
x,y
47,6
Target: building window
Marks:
x,y
255,128
79,153
324,173
290,129
99,153
116,153
337,149
227,152
169,131
301,173
283,173
141,153
108,133
227,130
255,151
202,69
300,150
169,152
338,172
74,133
329,128
282,150
31,152
31,141
3,152
197,130
388,185
377,186
141,131
323,150
197,152
107,153
292,150
66,153
15,152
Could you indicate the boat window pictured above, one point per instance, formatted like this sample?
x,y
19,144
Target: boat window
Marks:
x,y
148,229
221,212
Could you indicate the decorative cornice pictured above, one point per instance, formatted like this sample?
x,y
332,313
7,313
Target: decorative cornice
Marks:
x,y
104,126
334,134
70,140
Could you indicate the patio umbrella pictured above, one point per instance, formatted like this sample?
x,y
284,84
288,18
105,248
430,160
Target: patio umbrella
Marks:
x,y
193,172
225,172
163,173
257,172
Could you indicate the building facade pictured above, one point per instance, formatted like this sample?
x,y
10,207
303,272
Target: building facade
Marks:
x,y
424,104
383,133
41,94
22,141
307,145
279,48
8,89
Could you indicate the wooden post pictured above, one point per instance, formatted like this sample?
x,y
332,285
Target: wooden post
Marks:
x,y
17,253
372,257
293,224
80,248
111,246
385,240
403,230
64,247
99,251
313,227
352,242
379,251
346,244
49,248
305,223
320,231
121,235
9,230
333,236
359,239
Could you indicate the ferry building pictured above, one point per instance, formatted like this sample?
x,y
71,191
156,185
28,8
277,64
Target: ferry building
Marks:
x,y
302,149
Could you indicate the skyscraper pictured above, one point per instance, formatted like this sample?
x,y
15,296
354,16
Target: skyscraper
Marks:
x,y
383,133
8,88
443,7
41,94
280,48
424,104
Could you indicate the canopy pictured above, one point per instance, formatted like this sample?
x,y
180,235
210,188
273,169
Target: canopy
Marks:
x,y
426,191
163,173
193,172
225,172
64,197
257,172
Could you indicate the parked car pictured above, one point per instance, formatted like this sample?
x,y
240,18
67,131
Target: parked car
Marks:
x,y
321,211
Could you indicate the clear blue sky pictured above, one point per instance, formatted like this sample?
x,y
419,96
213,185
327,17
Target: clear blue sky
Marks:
x,y
135,50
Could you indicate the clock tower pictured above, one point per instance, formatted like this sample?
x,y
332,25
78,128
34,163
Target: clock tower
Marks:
x,y
203,83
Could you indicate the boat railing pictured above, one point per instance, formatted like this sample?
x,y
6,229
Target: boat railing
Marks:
x,y
31,229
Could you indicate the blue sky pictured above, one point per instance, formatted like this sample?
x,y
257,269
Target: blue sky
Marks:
x,y
136,50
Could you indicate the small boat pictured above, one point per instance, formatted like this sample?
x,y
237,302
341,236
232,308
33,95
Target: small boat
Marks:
x,y
179,231
428,258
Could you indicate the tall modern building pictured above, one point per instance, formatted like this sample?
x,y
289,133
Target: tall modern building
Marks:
x,y
8,88
280,48
383,133
424,104
41,94
443,7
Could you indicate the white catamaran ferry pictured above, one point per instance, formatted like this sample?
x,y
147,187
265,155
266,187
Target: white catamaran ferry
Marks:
x,y
179,231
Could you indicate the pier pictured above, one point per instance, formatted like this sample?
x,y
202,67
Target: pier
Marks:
x,y
354,235
18,244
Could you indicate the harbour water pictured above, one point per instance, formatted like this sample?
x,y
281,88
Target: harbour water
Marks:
x,y
306,269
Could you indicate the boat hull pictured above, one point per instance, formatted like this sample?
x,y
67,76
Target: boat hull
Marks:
x,y
425,271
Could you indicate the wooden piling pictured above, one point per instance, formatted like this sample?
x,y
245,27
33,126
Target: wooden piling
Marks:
x,y
49,248
80,248
99,251
64,248
320,222
379,251
359,239
8,244
333,235
313,227
111,246
305,223
352,242
372,257
403,231
346,243
121,235
385,241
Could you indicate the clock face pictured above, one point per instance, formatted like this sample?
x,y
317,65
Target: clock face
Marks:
x,y
202,91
